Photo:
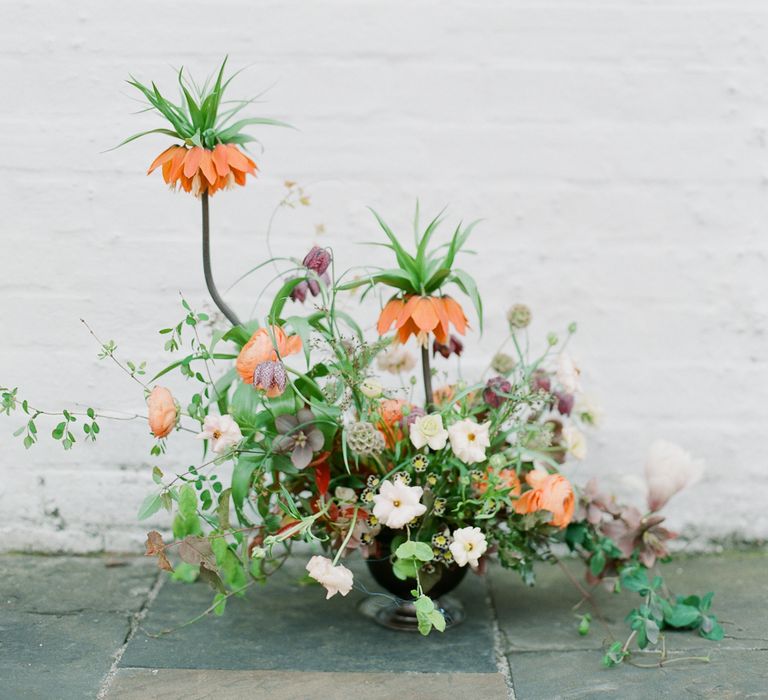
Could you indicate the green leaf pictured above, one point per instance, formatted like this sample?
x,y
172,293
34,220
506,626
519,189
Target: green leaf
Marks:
x,y
467,285
597,562
167,132
231,131
683,616
220,603
416,550
241,477
186,573
149,506
282,296
303,328
405,568
405,260
222,511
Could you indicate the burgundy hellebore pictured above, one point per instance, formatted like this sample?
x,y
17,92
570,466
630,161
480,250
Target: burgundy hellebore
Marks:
x,y
495,390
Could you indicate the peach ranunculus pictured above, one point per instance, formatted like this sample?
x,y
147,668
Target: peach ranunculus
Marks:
x,y
552,492
163,411
506,479
261,348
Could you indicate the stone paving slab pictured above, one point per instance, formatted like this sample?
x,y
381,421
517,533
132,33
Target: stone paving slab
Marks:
x,y
288,626
541,619
170,684
578,675
61,621
548,659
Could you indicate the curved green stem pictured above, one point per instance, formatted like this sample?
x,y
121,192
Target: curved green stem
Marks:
x,y
231,316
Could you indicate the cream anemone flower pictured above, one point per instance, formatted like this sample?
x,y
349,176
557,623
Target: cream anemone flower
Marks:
x,y
397,504
469,544
469,440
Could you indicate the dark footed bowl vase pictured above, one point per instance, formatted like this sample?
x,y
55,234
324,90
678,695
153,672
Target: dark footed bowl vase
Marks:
x,y
400,614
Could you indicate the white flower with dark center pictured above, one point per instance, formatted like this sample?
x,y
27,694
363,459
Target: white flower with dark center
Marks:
x,y
469,440
429,431
668,470
397,504
469,544
223,432
335,579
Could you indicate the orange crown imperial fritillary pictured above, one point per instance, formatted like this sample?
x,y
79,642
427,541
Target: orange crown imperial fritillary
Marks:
x,y
208,158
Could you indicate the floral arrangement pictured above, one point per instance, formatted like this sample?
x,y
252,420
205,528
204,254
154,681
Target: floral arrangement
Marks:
x,y
321,434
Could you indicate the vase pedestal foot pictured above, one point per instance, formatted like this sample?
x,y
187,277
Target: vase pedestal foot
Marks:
x,y
401,614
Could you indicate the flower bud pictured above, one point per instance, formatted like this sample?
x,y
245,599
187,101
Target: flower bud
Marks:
x,y
318,259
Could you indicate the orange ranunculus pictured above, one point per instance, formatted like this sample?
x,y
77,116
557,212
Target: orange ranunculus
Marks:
x,y
260,348
552,492
507,479
198,170
163,412
420,316
391,412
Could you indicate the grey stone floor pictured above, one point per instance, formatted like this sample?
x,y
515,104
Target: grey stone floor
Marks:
x,y
86,627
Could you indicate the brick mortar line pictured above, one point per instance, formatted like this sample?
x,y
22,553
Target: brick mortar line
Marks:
x,y
135,621
502,662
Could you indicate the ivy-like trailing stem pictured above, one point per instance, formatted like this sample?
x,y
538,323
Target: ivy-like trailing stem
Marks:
x,y
427,373
231,316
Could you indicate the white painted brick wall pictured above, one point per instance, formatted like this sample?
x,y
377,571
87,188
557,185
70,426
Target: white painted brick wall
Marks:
x,y
617,151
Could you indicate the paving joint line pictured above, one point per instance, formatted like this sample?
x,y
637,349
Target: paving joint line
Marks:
x,y
502,662
135,620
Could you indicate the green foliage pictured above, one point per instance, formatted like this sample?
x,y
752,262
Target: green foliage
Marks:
x,y
428,615
197,119
426,271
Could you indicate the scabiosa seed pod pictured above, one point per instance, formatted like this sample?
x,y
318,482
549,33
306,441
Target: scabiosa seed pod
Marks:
x,y
519,316
494,391
364,439
503,364
271,377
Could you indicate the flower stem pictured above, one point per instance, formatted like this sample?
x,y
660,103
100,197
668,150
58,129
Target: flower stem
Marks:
x,y
231,316
344,544
427,373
